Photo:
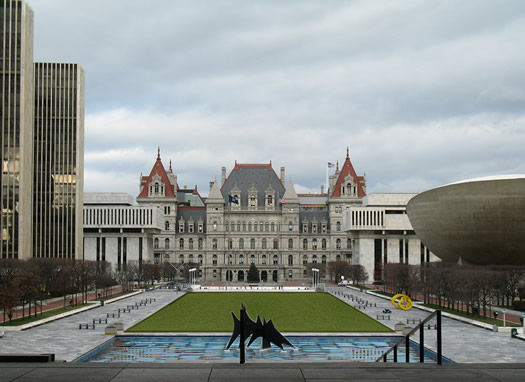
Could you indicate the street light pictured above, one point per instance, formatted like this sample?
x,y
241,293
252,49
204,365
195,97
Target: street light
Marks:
x,y
192,276
315,277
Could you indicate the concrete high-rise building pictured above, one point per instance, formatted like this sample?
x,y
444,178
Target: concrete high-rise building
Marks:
x,y
58,160
16,119
42,124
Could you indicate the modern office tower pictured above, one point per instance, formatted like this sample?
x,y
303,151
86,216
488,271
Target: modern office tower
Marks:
x,y
58,160
16,118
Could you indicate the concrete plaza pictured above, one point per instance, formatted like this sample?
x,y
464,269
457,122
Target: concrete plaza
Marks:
x,y
483,355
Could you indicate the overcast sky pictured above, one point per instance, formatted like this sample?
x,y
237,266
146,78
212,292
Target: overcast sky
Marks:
x,y
423,93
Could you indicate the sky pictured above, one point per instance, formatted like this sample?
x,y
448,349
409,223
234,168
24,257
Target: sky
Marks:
x,y
422,92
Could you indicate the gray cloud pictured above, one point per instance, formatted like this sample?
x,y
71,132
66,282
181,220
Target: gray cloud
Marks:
x,y
423,92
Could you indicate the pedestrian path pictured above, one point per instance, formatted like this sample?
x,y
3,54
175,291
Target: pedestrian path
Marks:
x,y
64,338
461,342
53,303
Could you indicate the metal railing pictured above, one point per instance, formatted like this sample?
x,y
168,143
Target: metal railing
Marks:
x,y
406,340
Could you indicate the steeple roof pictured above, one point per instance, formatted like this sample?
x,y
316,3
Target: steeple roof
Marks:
x,y
215,195
158,169
347,170
290,196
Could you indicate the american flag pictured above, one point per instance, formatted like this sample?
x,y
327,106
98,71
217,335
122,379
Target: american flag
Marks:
x,y
282,201
331,165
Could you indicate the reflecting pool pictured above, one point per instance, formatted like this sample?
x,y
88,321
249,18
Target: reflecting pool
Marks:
x,y
213,348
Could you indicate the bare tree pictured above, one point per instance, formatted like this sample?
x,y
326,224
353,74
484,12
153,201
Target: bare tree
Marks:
x,y
357,273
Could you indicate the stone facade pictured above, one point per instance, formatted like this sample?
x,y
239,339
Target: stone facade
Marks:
x,y
252,217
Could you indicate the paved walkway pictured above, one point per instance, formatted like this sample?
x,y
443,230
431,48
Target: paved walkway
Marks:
x,y
64,338
462,342
57,302
261,372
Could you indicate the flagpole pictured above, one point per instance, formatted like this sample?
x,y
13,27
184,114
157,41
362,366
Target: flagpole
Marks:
x,y
326,184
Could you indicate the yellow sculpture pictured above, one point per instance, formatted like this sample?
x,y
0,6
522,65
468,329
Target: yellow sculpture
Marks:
x,y
402,301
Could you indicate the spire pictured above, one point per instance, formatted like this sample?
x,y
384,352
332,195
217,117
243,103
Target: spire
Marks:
x,y
290,196
170,166
158,153
337,166
347,153
215,195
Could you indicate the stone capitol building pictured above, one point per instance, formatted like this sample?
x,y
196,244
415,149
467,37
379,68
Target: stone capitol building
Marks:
x,y
252,216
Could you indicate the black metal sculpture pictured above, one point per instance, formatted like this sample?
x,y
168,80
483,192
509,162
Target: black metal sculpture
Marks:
x,y
245,327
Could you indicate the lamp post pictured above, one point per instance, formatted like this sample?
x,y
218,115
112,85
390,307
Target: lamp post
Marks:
x,y
192,275
315,277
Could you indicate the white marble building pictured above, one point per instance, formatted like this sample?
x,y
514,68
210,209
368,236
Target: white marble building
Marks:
x,y
381,233
117,231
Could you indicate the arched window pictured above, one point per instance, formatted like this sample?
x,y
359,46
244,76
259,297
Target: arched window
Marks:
x,y
323,244
272,227
263,260
241,243
214,260
323,259
314,259
314,244
167,243
230,244
305,243
252,243
167,225
338,258
338,226
201,259
156,188
241,259
305,259
252,259
181,243
214,244
290,243
275,244
263,243
190,243
338,244
190,259
156,243
200,243
290,260
181,259
275,259
230,259
348,243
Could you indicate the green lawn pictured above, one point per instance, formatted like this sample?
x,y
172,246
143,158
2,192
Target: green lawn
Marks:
x,y
290,312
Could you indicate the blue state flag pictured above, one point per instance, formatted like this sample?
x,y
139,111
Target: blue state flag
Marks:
x,y
233,199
